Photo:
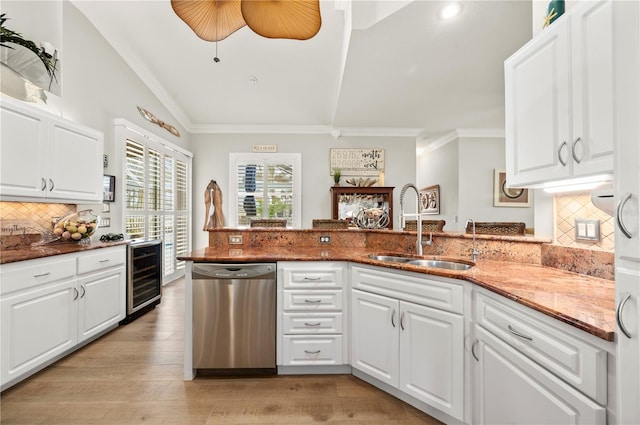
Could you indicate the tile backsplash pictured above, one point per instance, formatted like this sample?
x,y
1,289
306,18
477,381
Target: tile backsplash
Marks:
x,y
568,208
21,222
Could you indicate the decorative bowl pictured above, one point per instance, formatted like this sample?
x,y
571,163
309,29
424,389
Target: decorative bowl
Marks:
x,y
77,227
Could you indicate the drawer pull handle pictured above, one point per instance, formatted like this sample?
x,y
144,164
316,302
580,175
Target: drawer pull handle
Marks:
x,y
473,349
51,185
42,274
619,309
402,321
103,261
562,161
84,291
312,352
312,278
313,301
44,184
393,318
312,324
518,334
75,293
619,208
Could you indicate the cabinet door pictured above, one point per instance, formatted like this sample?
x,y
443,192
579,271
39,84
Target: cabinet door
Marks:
x,y
432,357
37,325
537,89
75,163
511,389
22,162
628,346
102,302
375,336
593,91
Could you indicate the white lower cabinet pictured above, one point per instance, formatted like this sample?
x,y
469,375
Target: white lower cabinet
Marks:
x,y
50,306
529,371
311,313
512,389
416,348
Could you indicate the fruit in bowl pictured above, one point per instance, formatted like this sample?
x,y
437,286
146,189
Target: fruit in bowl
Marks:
x,y
78,226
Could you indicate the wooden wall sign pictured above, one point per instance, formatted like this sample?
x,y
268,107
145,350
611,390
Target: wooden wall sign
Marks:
x,y
358,162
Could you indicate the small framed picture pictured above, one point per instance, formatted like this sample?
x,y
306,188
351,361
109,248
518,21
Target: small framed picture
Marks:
x,y
106,207
430,199
109,188
504,196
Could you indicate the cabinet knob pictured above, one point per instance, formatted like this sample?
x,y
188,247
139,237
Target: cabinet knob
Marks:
x,y
473,349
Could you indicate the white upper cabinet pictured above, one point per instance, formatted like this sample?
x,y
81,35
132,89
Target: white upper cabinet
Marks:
x,y
45,157
559,100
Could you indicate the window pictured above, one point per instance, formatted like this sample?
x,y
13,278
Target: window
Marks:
x,y
157,181
264,186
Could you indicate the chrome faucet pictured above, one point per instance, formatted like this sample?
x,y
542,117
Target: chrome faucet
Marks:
x,y
474,251
418,214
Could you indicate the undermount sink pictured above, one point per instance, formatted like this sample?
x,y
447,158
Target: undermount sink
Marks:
x,y
442,264
392,258
439,263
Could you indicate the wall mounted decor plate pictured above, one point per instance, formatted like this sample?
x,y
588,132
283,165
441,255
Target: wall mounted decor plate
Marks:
x,y
430,199
504,196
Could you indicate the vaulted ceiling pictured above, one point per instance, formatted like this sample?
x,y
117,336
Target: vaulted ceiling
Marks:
x,y
375,66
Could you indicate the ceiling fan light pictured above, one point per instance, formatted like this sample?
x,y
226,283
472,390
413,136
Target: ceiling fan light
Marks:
x,y
291,19
211,20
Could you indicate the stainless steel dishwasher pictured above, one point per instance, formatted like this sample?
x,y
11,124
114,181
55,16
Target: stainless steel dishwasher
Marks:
x,y
234,316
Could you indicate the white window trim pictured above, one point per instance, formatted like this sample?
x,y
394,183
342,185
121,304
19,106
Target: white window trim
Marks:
x,y
267,158
126,130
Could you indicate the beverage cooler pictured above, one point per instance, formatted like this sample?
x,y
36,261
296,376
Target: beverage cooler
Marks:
x,y
144,277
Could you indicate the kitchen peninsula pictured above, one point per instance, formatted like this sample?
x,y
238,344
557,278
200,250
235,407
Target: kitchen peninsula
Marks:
x,y
560,323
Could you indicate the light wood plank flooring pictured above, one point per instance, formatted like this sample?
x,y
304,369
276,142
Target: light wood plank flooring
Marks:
x,y
133,375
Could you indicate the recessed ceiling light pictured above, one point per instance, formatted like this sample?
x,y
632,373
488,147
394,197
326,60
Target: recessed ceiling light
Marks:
x,y
450,11
252,79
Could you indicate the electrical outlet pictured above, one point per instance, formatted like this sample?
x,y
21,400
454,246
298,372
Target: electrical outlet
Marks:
x,y
324,239
235,239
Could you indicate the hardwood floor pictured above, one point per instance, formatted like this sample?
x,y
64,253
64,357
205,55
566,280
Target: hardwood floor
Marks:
x,y
133,375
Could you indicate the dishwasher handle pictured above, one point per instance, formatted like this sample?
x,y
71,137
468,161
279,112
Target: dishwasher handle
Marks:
x,y
233,271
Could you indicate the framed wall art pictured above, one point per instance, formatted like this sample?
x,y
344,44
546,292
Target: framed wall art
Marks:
x,y
430,199
504,196
109,188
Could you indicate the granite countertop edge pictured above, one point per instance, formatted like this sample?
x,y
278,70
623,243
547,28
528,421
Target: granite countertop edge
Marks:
x,y
584,302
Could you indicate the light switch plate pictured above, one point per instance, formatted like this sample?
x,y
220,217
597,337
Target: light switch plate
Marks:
x,y
587,230
235,239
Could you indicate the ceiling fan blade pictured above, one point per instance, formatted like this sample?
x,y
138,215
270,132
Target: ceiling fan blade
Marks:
x,y
211,20
293,19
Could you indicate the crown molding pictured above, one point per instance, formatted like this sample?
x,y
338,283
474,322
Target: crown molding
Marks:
x,y
336,133
431,145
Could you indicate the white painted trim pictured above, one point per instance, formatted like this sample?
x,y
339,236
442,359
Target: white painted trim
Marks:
x,y
150,136
437,143
306,129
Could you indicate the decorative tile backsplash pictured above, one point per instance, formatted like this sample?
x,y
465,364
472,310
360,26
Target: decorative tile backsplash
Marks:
x,y
568,208
22,222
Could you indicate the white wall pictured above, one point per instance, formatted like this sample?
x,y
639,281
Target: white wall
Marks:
x,y
440,167
464,169
478,159
211,162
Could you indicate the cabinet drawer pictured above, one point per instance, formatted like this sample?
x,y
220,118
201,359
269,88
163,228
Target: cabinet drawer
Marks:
x,y
26,274
312,300
329,277
101,259
441,293
575,361
312,350
312,323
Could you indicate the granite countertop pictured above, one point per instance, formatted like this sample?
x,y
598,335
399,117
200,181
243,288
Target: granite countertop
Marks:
x,y
585,302
48,250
